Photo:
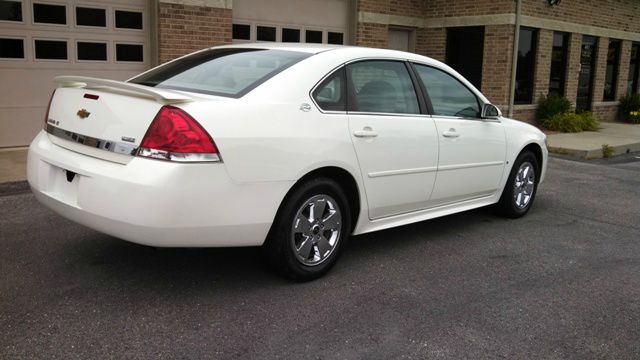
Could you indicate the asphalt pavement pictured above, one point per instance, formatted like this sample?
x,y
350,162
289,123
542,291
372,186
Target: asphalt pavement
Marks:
x,y
561,283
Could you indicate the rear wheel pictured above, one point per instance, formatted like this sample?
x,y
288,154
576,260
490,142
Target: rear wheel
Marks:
x,y
310,229
520,189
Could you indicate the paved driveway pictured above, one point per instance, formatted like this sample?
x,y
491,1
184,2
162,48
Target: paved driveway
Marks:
x,y
563,282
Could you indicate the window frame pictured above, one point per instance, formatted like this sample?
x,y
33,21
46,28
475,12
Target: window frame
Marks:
x,y
127,9
22,13
616,70
635,79
24,48
77,57
95,7
428,98
423,109
52,3
64,40
535,38
115,52
564,62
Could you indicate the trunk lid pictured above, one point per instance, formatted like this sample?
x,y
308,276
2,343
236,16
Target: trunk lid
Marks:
x,y
104,118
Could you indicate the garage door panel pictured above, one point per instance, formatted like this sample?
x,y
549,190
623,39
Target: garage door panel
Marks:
x,y
106,50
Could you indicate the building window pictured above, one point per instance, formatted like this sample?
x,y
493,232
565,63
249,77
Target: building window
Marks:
x,y
51,49
10,11
290,35
11,48
91,17
49,14
128,19
335,38
266,33
526,65
93,51
611,77
559,54
464,53
634,70
314,36
241,32
129,52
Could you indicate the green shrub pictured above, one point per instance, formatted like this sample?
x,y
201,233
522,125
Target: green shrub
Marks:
x,y
588,122
571,122
607,151
548,106
629,109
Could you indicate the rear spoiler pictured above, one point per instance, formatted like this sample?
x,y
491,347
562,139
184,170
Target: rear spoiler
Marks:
x,y
161,96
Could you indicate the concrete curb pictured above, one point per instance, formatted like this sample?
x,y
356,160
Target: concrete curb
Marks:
x,y
14,188
597,152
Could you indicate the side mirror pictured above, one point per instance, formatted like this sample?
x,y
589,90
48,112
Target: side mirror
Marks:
x,y
490,111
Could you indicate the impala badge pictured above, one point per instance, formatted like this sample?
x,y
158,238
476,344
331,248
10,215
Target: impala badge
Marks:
x,y
83,113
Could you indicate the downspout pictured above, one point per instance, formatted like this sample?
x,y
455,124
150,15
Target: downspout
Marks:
x,y
514,58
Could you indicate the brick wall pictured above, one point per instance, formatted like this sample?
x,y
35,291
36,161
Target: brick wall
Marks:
x,y
372,35
431,42
612,14
623,71
449,8
573,68
184,28
605,112
601,69
496,65
543,64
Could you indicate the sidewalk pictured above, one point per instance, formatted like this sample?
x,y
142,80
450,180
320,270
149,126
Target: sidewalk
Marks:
x,y
13,164
622,138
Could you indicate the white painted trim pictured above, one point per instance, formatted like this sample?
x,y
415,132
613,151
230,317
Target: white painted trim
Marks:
x,y
494,19
219,4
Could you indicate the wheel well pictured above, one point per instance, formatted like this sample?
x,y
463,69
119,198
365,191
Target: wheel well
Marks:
x,y
536,150
345,180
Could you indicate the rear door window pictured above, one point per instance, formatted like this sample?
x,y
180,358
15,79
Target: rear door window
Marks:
x,y
230,72
381,86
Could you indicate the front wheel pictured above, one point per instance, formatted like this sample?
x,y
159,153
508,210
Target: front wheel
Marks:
x,y
309,230
520,189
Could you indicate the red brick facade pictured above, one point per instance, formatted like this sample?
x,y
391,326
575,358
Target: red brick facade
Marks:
x,y
183,29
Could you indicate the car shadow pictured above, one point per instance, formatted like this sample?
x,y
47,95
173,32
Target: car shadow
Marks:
x,y
144,266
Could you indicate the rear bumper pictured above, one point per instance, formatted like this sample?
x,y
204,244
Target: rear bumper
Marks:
x,y
153,202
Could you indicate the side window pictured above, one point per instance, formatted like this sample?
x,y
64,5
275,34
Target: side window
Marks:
x,y
382,87
449,97
330,94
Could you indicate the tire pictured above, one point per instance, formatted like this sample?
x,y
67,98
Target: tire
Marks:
x,y
301,244
520,189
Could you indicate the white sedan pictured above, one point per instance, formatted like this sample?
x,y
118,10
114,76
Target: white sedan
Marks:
x,y
287,146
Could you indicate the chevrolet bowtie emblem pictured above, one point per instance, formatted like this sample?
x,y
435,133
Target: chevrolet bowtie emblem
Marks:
x,y
83,113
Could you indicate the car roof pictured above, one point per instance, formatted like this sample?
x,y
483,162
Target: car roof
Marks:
x,y
319,48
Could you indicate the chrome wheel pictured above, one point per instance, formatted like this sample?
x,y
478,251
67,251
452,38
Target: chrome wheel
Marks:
x,y
524,185
316,229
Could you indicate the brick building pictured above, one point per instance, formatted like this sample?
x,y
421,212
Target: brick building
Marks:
x,y
585,50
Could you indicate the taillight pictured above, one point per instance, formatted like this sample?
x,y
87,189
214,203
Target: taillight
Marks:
x,y
174,135
46,114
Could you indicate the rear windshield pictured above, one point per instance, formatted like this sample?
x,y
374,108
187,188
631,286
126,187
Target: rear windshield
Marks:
x,y
224,72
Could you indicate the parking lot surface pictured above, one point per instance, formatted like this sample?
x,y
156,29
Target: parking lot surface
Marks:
x,y
562,282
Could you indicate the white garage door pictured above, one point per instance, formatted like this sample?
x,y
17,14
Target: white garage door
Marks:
x,y
310,21
43,39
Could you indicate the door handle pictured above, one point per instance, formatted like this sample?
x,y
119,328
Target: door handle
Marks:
x,y
366,132
451,133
